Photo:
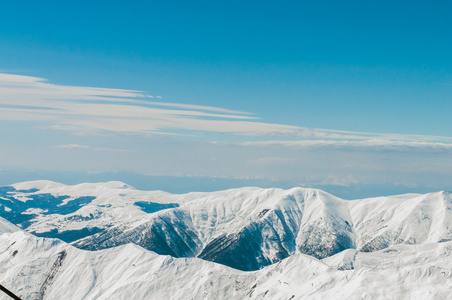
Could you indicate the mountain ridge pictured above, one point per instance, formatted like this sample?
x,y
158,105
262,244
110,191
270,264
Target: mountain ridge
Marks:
x,y
246,228
45,268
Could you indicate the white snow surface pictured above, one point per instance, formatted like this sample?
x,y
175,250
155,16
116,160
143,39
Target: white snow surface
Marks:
x,y
370,224
396,247
35,268
7,227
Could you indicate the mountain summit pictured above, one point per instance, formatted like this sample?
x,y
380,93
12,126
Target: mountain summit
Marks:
x,y
271,231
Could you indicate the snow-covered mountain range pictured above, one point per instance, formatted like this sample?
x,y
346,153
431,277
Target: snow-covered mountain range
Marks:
x,y
248,242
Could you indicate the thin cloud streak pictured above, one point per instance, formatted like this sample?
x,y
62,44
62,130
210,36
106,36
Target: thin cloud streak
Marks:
x,y
127,111
347,145
84,147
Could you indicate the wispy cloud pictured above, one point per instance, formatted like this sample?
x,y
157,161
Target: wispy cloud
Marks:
x,y
84,147
199,107
72,146
349,145
116,110
91,109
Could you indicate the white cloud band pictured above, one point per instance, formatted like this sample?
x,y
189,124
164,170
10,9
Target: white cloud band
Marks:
x,y
85,109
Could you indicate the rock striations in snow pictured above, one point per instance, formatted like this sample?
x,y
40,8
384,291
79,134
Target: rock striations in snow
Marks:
x,y
299,243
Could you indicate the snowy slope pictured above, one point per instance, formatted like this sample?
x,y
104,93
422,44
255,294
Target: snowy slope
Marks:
x,y
42,268
7,227
246,228
381,222
46,206
326,227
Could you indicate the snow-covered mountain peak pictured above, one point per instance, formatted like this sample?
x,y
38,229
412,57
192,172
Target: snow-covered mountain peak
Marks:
x,y
299,243
38,185
267,225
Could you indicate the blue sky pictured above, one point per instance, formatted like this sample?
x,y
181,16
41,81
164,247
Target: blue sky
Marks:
x,y
295,93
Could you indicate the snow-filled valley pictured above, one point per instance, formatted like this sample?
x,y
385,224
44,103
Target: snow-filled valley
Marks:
x,y
111,241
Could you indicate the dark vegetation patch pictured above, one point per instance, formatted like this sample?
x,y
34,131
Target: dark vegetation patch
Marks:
x,y
171,234
28,191
13,210
243,250
151,207
69,236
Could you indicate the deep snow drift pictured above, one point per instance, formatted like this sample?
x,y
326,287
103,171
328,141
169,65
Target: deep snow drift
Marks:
x,y
299,242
